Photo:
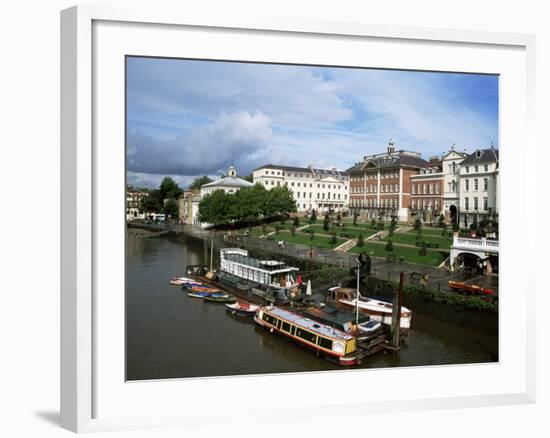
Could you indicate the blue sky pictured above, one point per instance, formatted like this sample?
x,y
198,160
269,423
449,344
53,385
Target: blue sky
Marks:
x,y
190,118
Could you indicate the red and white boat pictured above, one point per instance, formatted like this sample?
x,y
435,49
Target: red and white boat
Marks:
x,y
377,310
242,308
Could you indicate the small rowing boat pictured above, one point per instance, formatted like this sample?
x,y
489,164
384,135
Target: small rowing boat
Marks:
x,y
215,298
179,281
242,308
204,295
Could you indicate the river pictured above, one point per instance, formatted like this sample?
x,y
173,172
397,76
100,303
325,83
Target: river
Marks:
x,y
170,335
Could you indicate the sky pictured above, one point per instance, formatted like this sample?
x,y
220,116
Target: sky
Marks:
x,y
188,118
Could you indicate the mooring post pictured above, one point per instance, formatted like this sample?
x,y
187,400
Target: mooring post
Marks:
x,y
211,254
205,245
396,312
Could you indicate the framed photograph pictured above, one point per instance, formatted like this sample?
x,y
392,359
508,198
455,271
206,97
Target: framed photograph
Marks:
x,y
290,208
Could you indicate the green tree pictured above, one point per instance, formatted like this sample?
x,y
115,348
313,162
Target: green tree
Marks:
x,y
333,239
417,224
150,204
360,240
296,221
293,230
441,221
373,223
313,217
423,249
199,182
326,223
355,218
171,208
169,189
278,201
215,208
389,246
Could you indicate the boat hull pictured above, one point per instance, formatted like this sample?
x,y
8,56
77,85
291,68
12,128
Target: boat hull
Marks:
x,y
380,316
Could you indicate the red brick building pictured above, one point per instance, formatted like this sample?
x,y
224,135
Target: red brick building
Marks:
x,y
380,184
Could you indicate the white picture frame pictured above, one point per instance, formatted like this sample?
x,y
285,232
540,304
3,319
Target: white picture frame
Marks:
x,y
84,371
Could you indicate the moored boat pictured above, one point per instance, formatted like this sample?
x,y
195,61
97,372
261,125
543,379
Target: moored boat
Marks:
x,y
242,308
204,294
178,281
333,344
216,298
377,310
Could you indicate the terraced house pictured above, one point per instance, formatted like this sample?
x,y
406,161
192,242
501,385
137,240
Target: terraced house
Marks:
x,y
312,188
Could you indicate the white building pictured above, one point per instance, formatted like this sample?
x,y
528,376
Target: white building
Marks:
x,y
451,184
312,188
478,190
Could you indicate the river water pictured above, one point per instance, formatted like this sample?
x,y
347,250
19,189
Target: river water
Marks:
x,y
170,335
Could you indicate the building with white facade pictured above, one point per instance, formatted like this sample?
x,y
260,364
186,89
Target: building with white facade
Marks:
x,y
478,196
451,184
312,188
133,203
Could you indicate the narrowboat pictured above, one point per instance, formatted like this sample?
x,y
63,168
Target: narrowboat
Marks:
x,y
273,280
242,308
377,310
331,343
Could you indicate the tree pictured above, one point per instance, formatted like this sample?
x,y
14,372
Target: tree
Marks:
x,y
296,221
215,208
338,217
171,208
293,230
441,221
373,223
278,201
389,246
355,218
248,178
169,189
417,224
326,223
393,224
313,217
150,204
199,182
423,249
333,239
360,240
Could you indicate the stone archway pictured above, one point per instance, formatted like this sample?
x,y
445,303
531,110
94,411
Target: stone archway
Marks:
x,y
469,263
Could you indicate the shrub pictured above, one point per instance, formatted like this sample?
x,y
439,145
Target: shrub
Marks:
x,y
360,240
423,250
389,246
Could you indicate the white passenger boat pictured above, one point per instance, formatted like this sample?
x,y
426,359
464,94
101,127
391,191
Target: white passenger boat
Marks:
x,y
378,310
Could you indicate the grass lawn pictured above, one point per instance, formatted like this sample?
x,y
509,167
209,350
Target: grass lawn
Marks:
x,y
303,239
431,231
410,239
432,258
352,231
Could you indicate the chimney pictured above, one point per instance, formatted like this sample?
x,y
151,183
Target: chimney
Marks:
x,y
391,148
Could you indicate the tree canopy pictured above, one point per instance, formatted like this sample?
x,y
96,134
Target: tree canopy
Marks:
x,y
199,182
169,189
254,202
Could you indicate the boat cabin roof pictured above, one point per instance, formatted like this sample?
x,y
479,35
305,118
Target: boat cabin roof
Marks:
x,y
334,317
309,324
270,266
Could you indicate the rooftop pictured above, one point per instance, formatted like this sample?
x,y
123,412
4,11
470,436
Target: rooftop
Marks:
x,y
481,156
310,169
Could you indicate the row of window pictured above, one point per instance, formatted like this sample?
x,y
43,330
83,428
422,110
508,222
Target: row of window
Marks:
x,y
425,189
424,204
320,195
298,331
476,168
373,188
319,186
475,204
476,184
383,175
297,174
373,202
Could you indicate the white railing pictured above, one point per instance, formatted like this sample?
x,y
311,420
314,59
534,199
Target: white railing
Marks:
x,y
481,244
